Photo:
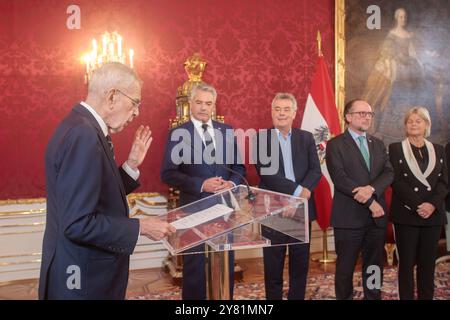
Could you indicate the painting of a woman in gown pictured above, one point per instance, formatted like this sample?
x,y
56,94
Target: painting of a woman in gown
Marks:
x,y
397,81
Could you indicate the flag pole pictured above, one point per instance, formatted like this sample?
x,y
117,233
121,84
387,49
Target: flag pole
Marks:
x,y
323,257
319,44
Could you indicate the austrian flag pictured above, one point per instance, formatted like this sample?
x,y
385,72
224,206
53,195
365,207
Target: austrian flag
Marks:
x,y
321,119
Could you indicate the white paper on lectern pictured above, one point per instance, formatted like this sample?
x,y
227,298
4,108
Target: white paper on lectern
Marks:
x,y
201,217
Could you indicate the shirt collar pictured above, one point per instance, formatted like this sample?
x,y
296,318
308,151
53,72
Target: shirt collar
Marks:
x,y
355,135
198,123
100,121
280,135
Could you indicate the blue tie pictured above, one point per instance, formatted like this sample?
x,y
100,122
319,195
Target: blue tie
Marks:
x,y
364,151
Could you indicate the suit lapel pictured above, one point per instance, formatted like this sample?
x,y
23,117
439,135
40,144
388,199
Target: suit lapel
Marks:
x,y
106,149
196,137
112,162
431,158
295,141
296,152
414,166
280,153
371,152
219,128
353,146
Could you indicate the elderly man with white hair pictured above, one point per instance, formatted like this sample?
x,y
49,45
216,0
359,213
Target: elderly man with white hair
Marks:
x,y
89,236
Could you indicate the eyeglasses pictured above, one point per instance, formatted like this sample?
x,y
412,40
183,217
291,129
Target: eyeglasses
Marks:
x,y
136,102
364,114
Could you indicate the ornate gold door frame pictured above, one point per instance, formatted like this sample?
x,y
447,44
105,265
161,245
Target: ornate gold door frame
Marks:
x,y
339,54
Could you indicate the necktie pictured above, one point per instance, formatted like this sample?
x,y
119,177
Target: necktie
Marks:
x,y
111,146
209,145
364,151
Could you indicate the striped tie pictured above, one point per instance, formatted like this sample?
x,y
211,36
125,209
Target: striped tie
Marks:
x,y
208,141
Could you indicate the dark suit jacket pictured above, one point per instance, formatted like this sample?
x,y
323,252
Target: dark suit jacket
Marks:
x,y
87,214
187,176
348,170
409,192
305,162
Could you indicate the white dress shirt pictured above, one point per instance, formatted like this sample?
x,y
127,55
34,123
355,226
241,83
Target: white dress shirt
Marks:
x,y
286,150
198,127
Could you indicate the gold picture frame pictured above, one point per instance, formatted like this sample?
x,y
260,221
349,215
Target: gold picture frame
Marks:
x,y
394,64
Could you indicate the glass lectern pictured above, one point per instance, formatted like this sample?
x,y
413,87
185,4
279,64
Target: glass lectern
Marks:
x,y
234,220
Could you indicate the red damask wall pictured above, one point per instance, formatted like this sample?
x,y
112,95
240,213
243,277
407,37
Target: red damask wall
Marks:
x,y
254,48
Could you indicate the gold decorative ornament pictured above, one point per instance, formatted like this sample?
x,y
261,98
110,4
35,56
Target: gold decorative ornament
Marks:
x,y
194,66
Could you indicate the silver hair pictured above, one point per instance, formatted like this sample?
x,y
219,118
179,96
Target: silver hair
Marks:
x,y
285,96
112,75
422,113
203,87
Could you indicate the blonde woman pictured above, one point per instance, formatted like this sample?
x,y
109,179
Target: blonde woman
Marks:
x,y
417,210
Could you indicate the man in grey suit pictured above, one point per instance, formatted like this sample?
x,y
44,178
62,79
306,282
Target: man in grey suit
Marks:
x,y
360,170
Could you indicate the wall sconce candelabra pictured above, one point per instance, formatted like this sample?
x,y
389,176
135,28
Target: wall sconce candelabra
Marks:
x,y
110,49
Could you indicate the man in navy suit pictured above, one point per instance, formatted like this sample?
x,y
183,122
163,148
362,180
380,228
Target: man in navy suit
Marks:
x,y
89,237
298,174
200,175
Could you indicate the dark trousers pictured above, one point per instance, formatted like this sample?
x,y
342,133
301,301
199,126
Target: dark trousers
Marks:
x,y
274,258
194,274
416,246
348,244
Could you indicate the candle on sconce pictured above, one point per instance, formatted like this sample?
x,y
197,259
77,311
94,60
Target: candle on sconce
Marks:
x,y
92,61
94,47
94,53
111,51
104,42
131,54
119,46
86,59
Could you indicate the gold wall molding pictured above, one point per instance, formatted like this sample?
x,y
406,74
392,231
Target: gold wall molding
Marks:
x,y
13,263
31,224
22,201
21,270
131,201
339,47
21,213
22,232
21,255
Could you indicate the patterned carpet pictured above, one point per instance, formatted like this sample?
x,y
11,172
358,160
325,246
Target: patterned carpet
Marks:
x,y
321,287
